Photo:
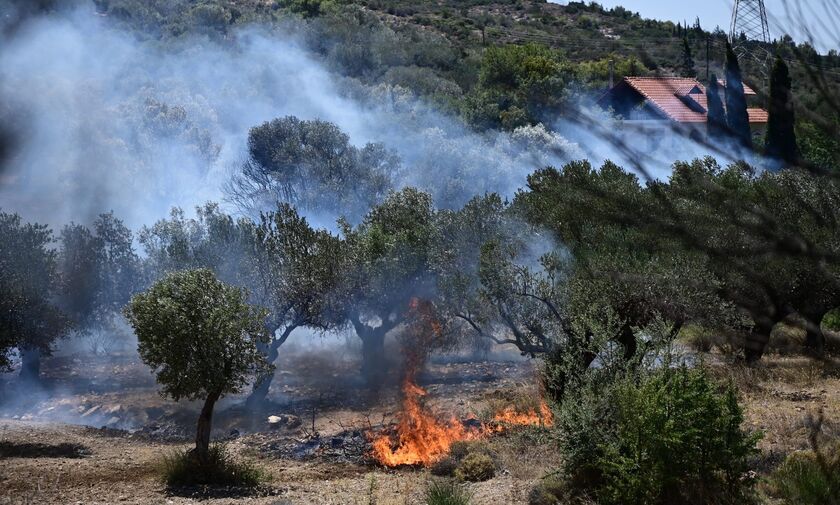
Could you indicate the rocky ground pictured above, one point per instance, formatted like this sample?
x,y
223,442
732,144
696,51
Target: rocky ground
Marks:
x,y
97,432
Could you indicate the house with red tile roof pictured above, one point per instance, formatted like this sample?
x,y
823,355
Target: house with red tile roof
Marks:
x,y
670,101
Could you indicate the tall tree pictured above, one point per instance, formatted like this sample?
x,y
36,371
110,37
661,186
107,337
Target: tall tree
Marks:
x,y
313,165
716,117
781,136
688,68
296,272
737,117
385,265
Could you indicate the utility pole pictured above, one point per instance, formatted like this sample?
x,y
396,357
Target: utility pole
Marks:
x,y
612,73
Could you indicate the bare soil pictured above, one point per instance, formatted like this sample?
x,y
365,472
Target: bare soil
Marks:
x,y
97,432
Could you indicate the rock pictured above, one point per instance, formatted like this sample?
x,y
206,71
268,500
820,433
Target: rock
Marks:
x,y
285,421
91,410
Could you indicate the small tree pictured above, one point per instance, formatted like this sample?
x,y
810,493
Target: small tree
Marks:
x,y
781,137
737,117
200,337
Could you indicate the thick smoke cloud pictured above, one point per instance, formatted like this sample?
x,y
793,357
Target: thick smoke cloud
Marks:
x,y
109,122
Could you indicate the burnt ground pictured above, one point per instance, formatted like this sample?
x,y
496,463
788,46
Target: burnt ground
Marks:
x,y
97,430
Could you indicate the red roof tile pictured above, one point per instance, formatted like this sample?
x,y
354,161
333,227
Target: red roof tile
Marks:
x,y
673,97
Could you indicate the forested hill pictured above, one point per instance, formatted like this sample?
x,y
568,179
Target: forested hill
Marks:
x,y
495,64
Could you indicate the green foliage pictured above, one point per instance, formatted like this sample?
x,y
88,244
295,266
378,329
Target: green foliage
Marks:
x,y
832,320
312,165
819,145
780,142
595,74
99,271
197,334
307,8
549,491
517,85
737,118
476,467
446,492
806,478
716,118
671,436
219,468
29,281
688,69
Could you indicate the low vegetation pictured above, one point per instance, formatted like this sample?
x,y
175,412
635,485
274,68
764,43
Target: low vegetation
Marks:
x,y
218,468
671,435
446,492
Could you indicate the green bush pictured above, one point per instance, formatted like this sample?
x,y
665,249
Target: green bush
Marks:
x,y
698,338
550,491
805,480
476,467
446,493
668,436
831,321
220,468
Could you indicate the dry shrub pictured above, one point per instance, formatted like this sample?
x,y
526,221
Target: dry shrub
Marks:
x,y
476,467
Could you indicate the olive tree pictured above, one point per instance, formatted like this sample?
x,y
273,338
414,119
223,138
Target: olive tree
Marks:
x,y
29,319
295,268
200,337
313,165
385,263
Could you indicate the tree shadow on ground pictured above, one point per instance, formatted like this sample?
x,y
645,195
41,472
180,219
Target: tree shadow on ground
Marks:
x,y
35,450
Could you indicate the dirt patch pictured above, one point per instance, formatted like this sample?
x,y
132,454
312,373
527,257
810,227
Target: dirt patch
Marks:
x,y
35,450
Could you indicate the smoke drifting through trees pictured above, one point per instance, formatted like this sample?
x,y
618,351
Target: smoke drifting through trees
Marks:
x,y
114,123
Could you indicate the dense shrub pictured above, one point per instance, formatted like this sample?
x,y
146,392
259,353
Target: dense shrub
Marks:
x,y
831,321
808,479
476,467
550,491
445,467
668,436
446,493
220,468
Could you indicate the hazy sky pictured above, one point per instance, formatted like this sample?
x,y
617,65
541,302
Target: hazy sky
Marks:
x,y
786,16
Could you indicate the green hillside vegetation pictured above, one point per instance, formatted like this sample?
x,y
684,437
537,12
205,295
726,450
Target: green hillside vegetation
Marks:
x,y
497,64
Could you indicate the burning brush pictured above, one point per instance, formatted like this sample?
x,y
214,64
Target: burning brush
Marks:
x,y
420,437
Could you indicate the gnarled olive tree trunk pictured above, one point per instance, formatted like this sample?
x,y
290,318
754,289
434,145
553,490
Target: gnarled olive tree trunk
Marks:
x,y
374,365
205,425
259,394
814,336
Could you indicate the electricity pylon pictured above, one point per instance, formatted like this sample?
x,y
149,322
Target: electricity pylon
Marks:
x,y
750,31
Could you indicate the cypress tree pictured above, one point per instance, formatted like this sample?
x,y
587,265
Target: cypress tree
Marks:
x,y
737,118
688,69
781,137
716,117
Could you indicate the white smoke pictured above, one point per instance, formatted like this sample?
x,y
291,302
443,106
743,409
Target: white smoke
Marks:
x,y
110,122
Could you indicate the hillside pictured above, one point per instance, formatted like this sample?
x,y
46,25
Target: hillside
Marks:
x,y
436,48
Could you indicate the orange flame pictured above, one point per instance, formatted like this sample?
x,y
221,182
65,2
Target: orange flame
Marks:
x,y
420,437
510,416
